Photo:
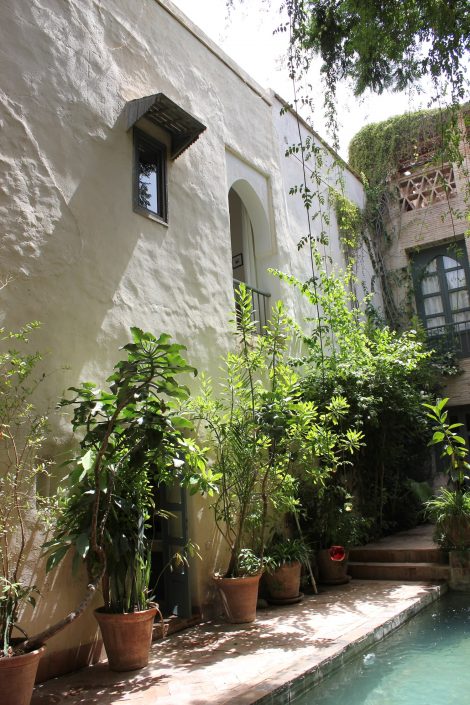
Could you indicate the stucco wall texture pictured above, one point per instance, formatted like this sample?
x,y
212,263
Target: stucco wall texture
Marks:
x,y
82,261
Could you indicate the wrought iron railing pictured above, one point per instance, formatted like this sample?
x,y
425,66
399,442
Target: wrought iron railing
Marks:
x,y
259,305
453,337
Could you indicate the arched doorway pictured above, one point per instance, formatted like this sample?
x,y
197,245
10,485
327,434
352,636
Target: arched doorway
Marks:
x,y
248,230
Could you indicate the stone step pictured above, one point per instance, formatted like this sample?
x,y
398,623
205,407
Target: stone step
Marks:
x,y
398,571
375,554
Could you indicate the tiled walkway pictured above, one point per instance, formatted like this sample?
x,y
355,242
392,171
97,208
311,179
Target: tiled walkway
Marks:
x,y
215,663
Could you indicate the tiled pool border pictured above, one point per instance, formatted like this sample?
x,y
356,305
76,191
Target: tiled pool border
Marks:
x,y
292,687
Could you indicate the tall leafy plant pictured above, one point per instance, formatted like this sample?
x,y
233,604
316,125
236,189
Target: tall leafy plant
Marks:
x,y
263,435
22,432
132,439
450,508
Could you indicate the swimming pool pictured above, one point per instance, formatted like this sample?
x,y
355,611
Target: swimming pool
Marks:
x,y
425,662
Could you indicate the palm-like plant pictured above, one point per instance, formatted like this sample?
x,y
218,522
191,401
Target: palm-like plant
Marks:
x,y
451,507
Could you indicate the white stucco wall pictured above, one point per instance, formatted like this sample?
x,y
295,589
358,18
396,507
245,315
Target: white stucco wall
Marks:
x,y
83,262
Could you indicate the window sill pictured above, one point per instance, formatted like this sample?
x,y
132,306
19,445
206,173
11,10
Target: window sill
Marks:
x,y
150,216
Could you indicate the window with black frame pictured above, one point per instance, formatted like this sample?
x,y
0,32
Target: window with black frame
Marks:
x,y
150,193
441,282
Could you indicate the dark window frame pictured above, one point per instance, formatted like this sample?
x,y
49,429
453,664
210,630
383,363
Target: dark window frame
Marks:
x,y
153,146
458,331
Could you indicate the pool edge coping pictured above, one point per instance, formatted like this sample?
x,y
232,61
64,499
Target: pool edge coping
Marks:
x,y
293,686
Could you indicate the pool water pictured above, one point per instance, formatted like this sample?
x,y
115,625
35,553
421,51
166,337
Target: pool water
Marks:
x,y
425,662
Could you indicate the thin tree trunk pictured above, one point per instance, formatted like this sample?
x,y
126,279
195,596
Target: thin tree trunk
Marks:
x,y
39,639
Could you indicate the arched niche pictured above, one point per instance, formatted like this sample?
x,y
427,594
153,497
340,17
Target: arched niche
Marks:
x,y
257,215
249,232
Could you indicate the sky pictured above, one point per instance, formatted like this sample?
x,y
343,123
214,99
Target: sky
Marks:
x,y
248,37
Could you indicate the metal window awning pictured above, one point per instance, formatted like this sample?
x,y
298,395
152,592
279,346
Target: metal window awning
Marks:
x,y
183,127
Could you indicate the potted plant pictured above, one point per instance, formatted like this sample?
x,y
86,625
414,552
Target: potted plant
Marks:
x,y
22,431
239,431
336,526
262,436
283,564
450,508
132,441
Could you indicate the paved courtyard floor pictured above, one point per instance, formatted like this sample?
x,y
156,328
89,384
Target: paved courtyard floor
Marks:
x,y
214,662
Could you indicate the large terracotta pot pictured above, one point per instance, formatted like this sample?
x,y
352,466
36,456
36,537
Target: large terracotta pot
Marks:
x,y
17,676
284,582
332,571
239,597
127,638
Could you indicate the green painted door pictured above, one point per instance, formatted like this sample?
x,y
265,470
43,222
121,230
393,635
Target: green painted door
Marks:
x,y
170,536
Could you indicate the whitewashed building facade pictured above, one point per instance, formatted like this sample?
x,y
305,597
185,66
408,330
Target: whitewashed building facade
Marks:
x,y
94,95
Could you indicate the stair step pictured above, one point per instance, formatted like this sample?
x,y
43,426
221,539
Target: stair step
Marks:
x,y
398,571
364,554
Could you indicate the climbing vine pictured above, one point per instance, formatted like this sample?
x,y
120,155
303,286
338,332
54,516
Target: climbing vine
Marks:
x,y
377,150
349,218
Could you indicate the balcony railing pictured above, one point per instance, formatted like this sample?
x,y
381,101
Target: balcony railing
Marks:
x,y
454,337
259,305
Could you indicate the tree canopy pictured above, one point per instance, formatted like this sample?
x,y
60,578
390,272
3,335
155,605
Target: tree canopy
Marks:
x,y
382,44
386,44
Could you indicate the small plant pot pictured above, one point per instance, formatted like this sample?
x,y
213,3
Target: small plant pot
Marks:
x,y
239,597
332,572
17,676
127,637
284,582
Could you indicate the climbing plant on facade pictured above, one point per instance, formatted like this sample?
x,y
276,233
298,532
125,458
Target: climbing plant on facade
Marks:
x,y
401,148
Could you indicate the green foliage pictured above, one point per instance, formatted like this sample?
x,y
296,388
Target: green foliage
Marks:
x,y
384,376
133,439
285,550
389,44
22,432
248,562
12,597
450,509
331,519
378,148
350,220
454,448
263,436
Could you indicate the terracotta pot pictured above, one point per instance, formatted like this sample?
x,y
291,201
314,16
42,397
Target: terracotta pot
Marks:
x,y
17,676
239,597
127,638
332,572
284,582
